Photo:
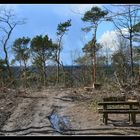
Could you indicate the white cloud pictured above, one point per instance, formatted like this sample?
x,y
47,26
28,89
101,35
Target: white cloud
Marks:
x,y
124,31
109,40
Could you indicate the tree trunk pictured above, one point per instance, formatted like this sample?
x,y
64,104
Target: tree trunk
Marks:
x,y
7,62
94,58
131,56
131,46
58,58
44,73
6,53
58,65
94,67
25,73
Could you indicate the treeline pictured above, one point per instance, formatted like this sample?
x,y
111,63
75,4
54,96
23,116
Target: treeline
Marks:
x,y
36,52
97,64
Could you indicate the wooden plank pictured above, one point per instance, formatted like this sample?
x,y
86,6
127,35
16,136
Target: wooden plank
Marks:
x,y
106,118
118,103
119,111
114,98
100,109
133,118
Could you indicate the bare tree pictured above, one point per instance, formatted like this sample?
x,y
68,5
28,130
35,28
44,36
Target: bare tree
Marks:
x,y
124,21
8,22
120,59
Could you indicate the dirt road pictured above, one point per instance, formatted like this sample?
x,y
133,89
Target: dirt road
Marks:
x,y
30,116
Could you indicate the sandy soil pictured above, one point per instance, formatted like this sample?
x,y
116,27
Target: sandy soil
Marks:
x,y
28,114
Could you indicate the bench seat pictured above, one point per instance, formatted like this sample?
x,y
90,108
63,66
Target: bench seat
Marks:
x,y
126,111
120,111
131,111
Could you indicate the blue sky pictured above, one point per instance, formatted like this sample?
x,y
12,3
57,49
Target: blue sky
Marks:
x,y
44,18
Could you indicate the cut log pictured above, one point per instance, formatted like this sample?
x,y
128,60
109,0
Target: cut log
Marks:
x,y
88,88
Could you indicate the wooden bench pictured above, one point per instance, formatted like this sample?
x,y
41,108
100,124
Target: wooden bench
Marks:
x,y
131,110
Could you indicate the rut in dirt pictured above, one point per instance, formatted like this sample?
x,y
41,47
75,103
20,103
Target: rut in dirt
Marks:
x,y
31,114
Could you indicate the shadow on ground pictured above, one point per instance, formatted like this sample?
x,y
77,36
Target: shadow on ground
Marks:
x,y
123,123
